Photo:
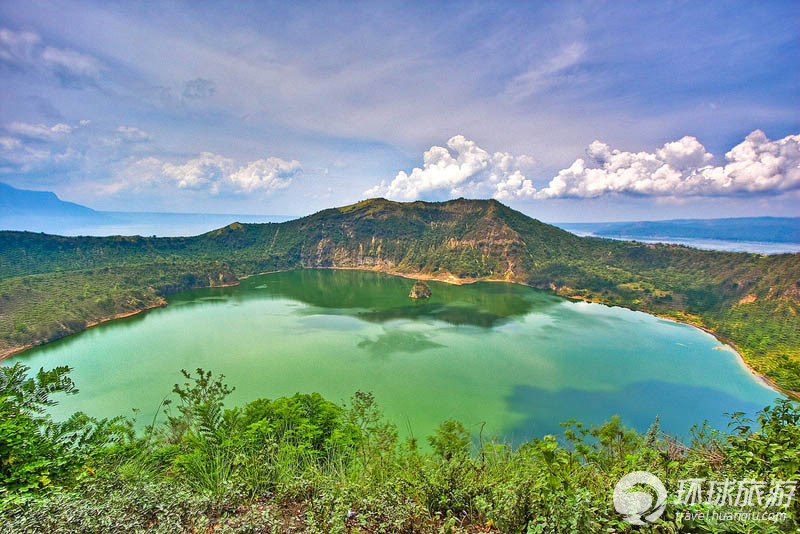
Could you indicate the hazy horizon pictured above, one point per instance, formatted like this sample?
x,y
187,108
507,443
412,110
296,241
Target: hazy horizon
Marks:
x,y
299,215
777,237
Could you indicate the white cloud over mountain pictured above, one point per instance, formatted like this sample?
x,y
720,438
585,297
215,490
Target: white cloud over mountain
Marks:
x,y
682,169
461,169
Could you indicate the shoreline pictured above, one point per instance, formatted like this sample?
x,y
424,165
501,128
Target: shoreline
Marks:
x,y
448,278
726,342
19,349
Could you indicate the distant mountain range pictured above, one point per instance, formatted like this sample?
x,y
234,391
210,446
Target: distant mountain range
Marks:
x,y
24,203
43,211
768,229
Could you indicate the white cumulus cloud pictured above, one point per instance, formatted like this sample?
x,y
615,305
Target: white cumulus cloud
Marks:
x,y
681,168
205,171
215,173
268,174
461,169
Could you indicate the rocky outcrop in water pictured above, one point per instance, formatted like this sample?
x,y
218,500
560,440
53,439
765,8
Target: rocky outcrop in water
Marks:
x,y
421,290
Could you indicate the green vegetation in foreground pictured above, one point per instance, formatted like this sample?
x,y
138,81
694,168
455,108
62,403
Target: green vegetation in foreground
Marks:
x,y
50,287
304,464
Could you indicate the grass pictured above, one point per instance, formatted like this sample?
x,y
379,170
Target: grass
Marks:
x,y
303,464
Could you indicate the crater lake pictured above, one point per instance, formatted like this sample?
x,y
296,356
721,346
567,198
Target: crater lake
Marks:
x,y
516,359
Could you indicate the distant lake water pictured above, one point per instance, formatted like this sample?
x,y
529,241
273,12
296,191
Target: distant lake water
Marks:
x,y
725,245
758,247
517,359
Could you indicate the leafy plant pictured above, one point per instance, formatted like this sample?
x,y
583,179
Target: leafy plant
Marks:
x,y
35,452
307,464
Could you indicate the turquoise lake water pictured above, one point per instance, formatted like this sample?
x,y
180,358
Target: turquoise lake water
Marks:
x,y
514,358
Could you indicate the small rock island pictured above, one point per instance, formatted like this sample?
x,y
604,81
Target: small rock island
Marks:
x,y
421,290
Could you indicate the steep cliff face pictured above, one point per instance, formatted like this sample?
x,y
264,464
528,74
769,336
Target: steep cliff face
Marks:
x,y
465,238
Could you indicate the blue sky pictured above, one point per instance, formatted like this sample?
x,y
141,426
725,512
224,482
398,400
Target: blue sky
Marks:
x,y
567,111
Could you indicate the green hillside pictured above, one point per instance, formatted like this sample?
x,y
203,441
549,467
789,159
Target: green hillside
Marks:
x,y
51,286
